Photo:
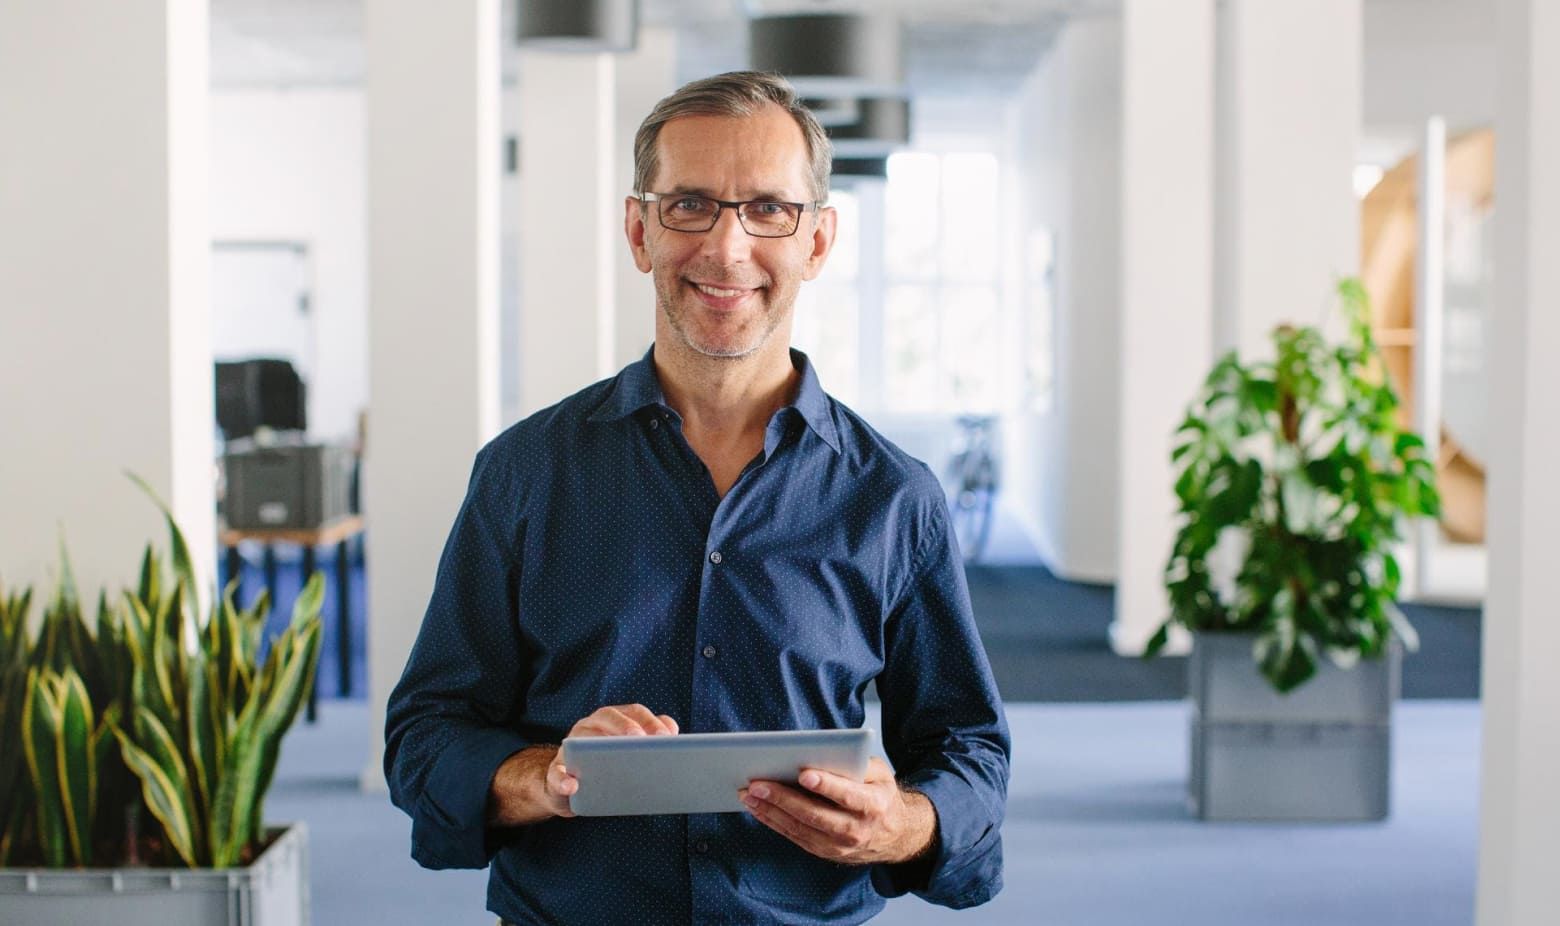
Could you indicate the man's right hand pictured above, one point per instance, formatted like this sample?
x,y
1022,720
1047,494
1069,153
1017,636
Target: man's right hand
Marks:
x,y
533,785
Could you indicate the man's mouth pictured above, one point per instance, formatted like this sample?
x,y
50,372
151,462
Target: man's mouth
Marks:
x,y
719,292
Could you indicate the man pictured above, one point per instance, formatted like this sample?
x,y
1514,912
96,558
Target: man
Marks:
x,y
706,542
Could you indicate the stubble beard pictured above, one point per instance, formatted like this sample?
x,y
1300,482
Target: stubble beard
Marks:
x,y
765,322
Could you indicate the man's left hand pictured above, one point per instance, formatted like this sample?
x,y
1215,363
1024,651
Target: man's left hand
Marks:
x,y
858,823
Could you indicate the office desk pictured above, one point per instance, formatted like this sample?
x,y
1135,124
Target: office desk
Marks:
x,y
339,532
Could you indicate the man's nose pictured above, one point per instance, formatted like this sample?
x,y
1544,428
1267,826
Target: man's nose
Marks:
x,y
728,238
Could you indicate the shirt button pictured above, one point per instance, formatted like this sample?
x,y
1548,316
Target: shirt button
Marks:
x,y
701,847
709,651
715,557
655,423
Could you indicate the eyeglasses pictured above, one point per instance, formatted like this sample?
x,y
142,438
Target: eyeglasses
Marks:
x,y
761,218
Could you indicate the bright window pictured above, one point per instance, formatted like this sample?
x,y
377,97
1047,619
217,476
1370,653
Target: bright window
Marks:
x,y
942,331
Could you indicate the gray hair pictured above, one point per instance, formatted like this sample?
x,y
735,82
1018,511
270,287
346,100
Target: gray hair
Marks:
x,y
736,93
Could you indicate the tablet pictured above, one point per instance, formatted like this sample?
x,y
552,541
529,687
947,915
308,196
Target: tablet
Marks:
x,y
701,772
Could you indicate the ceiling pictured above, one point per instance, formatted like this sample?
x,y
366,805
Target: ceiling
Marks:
x,y
952,47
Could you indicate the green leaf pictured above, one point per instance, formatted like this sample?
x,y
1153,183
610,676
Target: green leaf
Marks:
x,y
163,798
78,776
41,721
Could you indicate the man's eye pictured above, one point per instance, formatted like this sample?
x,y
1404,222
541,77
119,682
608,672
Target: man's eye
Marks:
x,y
691,205
767,209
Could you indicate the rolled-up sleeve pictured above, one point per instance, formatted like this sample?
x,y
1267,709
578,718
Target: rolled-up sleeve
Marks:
x,y
944,727
450,721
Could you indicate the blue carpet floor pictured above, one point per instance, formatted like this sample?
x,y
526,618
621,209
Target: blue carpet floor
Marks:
x,y
1097,833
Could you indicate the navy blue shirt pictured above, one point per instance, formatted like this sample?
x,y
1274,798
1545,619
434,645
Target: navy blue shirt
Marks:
x,y
593,563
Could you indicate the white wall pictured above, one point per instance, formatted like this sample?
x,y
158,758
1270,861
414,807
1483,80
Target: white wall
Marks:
x,y
1429,57
288,165
1063,464
107,356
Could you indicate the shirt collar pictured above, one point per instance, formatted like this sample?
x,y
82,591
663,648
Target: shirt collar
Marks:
x,y
637,387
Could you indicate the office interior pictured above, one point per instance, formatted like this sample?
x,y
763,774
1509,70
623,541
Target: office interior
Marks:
x,y
1091,200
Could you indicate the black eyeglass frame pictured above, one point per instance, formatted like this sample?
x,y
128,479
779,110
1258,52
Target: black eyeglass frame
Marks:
x,y
645,198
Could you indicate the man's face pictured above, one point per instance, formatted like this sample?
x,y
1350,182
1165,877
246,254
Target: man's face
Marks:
x,y
723,293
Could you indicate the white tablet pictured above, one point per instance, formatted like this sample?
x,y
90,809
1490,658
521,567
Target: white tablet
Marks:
x,y
701,772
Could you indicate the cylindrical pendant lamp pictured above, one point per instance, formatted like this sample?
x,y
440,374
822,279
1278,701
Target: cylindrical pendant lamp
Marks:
x,y
579,25
881,127
860,168
831,54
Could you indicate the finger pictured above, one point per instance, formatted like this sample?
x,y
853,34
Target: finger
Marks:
x,y
853,796
560,782
610,721
561,785
670,724
809,839
642,719
812,812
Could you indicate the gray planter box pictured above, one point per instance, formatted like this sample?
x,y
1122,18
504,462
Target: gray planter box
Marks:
x,y
274,891
1321,753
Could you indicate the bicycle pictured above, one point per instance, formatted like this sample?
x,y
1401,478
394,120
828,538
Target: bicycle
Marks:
x,y
972,481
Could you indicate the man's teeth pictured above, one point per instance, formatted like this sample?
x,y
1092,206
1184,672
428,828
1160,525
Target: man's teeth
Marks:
x,y
718,293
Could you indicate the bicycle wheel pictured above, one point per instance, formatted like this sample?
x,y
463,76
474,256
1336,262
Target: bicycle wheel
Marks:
x,y
973,511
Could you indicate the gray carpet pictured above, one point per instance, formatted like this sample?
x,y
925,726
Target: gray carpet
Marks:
x,y
1097,833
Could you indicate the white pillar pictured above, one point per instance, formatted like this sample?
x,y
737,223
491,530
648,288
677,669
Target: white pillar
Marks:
x,y
433,199
644,77
571,224
104,255
1519,840
1429,322
1289,103
1167,283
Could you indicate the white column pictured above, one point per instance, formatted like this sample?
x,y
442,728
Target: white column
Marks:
x,y
1429,322
104,255
1289,102
644,77
1519,839
571,224
1167,283
433,198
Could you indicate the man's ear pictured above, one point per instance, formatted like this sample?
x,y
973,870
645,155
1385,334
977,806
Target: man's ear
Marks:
x,y
634,230
822,237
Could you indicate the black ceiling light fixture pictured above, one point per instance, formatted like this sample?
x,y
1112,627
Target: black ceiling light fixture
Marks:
x,y
882,127
831,55
578,25
860,168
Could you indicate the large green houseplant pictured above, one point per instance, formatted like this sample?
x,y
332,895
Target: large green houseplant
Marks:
x,y
149,737
1295,480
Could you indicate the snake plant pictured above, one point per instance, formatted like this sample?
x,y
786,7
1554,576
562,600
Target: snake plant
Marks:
x,y
15,784
156,729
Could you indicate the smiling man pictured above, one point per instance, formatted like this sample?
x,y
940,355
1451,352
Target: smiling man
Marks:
x,y
705,542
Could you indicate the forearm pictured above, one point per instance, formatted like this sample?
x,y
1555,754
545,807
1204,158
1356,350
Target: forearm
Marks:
x,y
519,793
919,839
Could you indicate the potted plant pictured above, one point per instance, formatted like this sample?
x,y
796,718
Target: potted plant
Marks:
x,y
1295,481
135,754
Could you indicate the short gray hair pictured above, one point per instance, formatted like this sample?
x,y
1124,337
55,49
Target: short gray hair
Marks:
x,y
736,93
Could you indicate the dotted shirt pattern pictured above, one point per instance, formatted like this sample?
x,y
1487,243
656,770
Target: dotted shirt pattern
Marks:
x,y
593,563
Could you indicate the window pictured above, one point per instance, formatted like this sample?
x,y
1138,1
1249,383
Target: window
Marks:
x,y
942,331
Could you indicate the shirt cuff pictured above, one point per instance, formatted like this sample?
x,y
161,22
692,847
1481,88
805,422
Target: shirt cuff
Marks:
x,y
449,824
965,866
